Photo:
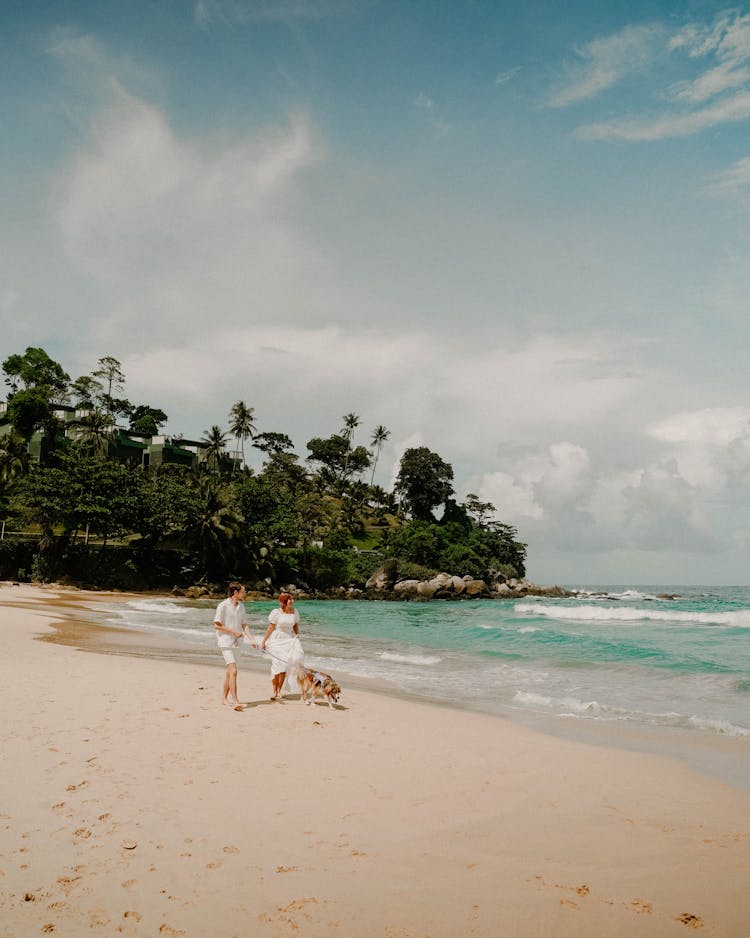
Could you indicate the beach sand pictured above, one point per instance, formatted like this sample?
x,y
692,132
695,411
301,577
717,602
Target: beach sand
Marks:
x,y
133,803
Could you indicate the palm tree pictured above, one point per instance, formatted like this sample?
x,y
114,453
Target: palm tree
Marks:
x,y
241,424
214,524
214,443
379,436
14,457
351,422
95,433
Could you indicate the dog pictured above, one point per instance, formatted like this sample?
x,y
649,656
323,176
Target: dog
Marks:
x,y
317,684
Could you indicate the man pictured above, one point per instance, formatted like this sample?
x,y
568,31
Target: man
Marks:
x,y
230,622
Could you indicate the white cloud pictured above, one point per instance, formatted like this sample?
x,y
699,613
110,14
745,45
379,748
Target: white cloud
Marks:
x,y
732,181
711,447
716,426
728,37
172,230
718,94
713,82
540,483
727,110
513,499
604,62
683,500
502,77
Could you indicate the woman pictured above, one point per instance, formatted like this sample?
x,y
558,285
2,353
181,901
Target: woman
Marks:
x,y
282,642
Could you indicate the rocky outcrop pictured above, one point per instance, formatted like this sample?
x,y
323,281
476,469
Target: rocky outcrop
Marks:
x,y
442,586
384,584
196,592
384,577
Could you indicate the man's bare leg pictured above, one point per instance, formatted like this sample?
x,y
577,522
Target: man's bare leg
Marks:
x,y
225,692
230,688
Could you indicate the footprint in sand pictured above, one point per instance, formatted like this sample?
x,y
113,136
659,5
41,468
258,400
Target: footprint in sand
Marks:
x,y
641,907
48,928
128,884
692,921
130,914
286,869
83,833
230,849
168,930
67,881
82,784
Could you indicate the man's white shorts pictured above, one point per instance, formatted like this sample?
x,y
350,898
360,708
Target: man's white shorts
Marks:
x,y
229,656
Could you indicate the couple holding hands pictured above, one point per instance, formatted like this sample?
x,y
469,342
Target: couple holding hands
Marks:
x,y
281,641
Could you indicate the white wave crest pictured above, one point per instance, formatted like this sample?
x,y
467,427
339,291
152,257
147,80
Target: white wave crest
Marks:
x,y
161,606
740,619
528,629
724,727
409,659
534,700
568,704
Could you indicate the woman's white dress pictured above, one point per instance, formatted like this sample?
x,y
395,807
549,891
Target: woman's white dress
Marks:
x,y
283,645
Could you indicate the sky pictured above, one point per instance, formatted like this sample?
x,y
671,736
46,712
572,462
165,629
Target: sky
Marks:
x,y
516,234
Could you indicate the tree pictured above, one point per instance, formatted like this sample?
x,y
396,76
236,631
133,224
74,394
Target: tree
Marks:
x,y
351,422
423,482
83,492
241,424
36,382
212,524
110,371
477,509
94,434
35,369
379,436
14,457
167,498
339,462
147,420
30,409
87,392
273,444
215,443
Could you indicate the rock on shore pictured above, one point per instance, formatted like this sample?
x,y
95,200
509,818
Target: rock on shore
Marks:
x,y
449,586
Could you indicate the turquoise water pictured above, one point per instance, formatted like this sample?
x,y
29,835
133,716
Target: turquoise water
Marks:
x,y
612,654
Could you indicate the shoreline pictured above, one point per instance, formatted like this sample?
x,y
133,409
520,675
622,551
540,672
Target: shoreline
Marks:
x,y
134,803
721,757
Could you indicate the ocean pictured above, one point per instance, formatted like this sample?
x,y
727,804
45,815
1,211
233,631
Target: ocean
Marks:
x,y
626,655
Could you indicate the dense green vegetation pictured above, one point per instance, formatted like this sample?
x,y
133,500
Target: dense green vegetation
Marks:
x,y
105,521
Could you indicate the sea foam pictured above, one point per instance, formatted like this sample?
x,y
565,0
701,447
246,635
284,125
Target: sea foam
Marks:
x,y
740,619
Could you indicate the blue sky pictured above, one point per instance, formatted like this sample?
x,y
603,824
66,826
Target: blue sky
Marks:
x,y
514,233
